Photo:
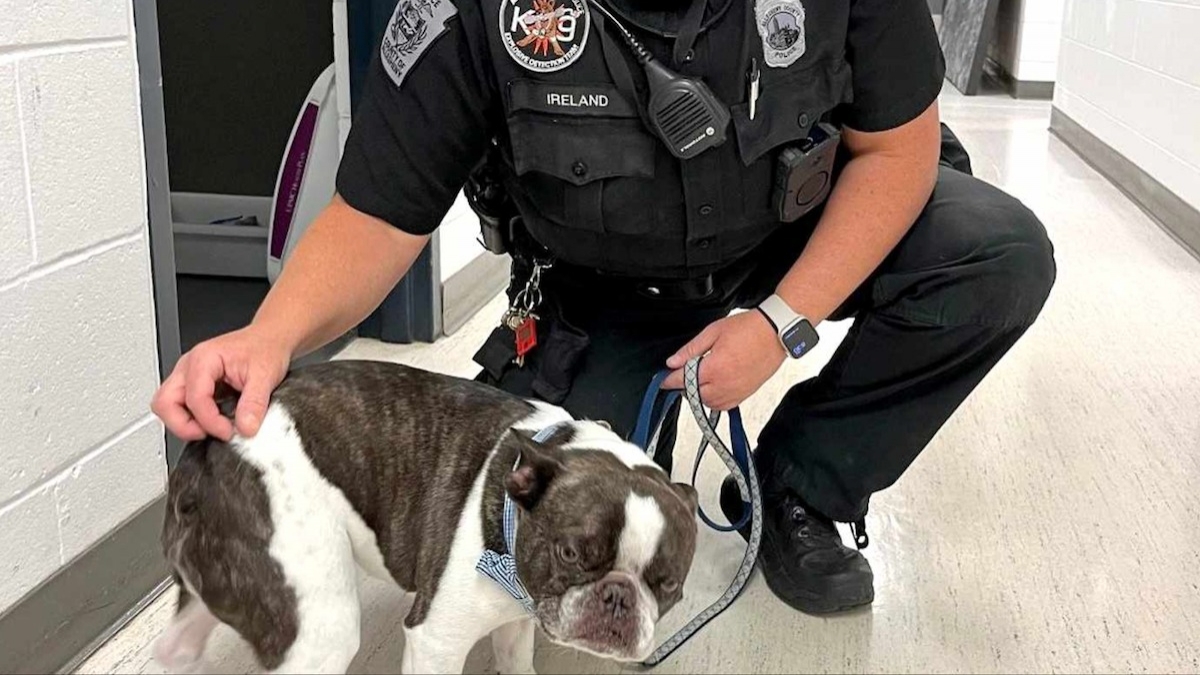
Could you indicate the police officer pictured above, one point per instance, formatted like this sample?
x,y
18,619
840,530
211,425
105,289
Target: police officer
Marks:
x,y
672,161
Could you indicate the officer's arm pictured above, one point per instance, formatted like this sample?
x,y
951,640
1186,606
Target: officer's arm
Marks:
x,y
897,66
421,121
343,267
877,199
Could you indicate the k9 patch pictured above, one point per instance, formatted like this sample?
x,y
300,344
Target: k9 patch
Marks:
x,y
544,35
781,26
415,25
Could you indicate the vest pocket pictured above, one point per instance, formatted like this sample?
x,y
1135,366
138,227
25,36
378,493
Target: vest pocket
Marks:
x,y
567,164
789,105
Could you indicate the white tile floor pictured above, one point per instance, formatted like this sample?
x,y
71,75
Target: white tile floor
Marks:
x,y
1052,524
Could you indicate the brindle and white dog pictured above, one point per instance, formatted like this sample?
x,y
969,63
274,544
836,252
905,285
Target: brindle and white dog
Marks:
x,y
403,473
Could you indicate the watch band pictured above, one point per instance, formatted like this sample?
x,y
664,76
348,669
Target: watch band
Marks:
x,y
779,313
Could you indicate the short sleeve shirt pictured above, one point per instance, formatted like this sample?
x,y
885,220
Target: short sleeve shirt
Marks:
x,y
426,120
896,61
422,123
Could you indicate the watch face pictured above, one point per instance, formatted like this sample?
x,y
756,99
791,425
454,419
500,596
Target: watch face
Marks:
x,y
799,338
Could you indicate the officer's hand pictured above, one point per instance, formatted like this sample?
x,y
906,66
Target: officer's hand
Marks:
x,y
246,360
743,353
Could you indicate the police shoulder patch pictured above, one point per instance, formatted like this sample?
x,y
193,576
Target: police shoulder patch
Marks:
x,y
781,27
415,25
544,35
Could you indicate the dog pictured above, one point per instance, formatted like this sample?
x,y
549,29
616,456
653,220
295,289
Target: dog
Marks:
x,y
405,474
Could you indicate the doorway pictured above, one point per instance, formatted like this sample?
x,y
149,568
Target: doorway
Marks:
x,y
222,87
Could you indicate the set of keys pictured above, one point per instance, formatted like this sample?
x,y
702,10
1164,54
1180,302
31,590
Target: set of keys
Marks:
x,y
520,317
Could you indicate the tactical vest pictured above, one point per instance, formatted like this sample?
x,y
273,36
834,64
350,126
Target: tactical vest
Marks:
x,y
592,183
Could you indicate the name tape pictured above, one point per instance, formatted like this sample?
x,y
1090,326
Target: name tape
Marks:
x,y
577,100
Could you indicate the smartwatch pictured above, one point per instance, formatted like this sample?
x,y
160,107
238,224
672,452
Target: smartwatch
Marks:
x,y
796,333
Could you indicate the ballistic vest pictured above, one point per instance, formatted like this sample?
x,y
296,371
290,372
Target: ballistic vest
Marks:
x,y
597,188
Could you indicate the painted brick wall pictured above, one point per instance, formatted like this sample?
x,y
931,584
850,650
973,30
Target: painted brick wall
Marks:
x,y
1130,74
79,453
1028,33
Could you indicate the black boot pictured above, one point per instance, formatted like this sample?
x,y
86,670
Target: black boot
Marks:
x,y
803,559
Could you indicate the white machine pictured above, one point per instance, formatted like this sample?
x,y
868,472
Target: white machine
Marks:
x,y
307,176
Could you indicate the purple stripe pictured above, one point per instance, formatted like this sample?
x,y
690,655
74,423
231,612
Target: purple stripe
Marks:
x,y
293,176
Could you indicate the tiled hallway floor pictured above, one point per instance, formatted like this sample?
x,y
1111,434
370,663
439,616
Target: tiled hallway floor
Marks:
x,y
1051,526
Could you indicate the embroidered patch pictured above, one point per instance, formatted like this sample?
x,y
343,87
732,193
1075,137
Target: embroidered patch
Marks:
x,y
781,26
544,35
415,25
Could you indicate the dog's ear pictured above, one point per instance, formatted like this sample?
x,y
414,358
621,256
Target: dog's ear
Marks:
x,y
227,399
537,469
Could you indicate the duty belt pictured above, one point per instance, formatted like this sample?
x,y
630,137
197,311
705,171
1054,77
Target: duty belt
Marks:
x,y
686,290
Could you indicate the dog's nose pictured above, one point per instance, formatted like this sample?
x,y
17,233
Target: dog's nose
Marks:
x,y
617,595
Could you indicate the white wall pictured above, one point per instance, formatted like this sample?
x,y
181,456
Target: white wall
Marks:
x,y
1130,74
1041,35
1028,34
79,453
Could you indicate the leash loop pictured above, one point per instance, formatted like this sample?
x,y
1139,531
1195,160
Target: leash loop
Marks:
x,y
737,460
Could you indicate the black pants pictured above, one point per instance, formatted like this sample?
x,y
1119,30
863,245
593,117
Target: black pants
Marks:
x,y
960,289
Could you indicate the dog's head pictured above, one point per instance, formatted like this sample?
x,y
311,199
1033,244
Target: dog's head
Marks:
x,y
605,540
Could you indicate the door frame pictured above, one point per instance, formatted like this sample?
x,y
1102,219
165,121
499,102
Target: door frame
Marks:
x,y
158,196
412,312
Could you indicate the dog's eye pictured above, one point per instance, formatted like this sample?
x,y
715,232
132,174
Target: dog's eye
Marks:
x,y
568,554
669,586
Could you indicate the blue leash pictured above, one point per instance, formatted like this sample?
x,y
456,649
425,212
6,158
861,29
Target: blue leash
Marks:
x,y
655,405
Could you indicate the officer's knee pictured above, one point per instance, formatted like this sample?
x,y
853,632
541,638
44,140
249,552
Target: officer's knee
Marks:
x,y
1019,262
993,263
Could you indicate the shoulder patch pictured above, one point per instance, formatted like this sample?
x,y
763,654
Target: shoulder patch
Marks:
x,y
781,27
544,35
414,26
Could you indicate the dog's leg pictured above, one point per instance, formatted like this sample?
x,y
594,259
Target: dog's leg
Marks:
x,y
430,650
181,645
513,646
328,613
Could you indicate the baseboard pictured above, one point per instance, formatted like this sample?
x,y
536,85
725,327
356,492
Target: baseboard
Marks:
x,y
1019,89
1177,217
69,616
472,287
1028,89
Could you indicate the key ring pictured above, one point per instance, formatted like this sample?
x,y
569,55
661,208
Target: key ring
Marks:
x,y
531,297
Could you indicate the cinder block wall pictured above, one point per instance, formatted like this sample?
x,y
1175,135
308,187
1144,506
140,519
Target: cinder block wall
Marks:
x,y
79,453
1028,33
1130,75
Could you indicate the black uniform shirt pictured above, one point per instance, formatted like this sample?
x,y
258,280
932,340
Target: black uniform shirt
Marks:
x,y
594,186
